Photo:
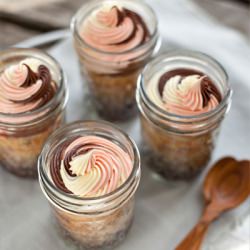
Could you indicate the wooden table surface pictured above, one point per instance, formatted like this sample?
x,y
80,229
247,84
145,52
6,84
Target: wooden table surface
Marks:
x,y
23,19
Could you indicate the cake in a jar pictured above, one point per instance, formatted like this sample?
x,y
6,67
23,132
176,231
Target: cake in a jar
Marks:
x,y
183,97
114,42
28,110
94,178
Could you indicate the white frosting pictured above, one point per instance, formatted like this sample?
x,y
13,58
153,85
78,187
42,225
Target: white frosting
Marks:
x,y
181,95
100,169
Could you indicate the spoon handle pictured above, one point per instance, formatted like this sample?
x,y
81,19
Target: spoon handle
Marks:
x,y
194,239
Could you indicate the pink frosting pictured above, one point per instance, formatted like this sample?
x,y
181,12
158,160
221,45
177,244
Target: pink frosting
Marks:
x,y
115,30
186,98
11,91
24,87
103,168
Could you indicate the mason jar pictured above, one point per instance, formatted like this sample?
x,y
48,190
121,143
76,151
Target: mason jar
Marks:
x,y
91,222
22,135
180,146
112,76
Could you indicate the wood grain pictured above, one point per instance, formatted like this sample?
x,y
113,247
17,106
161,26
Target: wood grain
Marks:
x,y
226,186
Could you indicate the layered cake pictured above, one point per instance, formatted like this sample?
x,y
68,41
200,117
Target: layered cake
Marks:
x,y
114,41
181,113
95,179
27,93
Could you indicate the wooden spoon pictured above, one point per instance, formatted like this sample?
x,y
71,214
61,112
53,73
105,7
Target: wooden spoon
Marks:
x,y
226,186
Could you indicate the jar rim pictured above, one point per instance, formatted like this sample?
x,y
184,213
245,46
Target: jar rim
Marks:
x,y
141,92
43,176
62,86
154,35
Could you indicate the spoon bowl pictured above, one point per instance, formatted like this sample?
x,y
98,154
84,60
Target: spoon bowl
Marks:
x,y
226,186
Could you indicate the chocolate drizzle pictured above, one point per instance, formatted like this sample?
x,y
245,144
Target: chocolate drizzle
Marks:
x,y
47,89
208,88
60,156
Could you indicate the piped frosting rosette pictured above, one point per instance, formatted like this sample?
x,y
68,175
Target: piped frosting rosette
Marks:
x,y
114,32
24,87
90,166
187,95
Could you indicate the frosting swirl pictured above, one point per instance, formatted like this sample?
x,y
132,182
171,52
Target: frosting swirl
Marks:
x,y
89,166
114,29
184,92
25,87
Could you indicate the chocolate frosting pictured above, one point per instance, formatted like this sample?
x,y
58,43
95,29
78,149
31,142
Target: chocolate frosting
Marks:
x,y
30,79
208,88
55,166
137,19
120,15
47,90
60,156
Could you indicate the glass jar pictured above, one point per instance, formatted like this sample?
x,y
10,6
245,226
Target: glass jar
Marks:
x,y
92,223
179,147
22,135
112,77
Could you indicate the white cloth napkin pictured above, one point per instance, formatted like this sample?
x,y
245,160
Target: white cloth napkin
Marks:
x,y
165,211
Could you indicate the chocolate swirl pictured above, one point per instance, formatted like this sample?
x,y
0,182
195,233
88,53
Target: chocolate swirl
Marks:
x,y
208,89
25,87
46,91
55,165
60,156
30,79
184,92
89,166
137,21
115,30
